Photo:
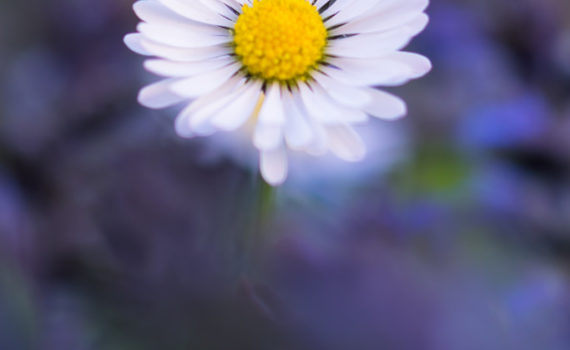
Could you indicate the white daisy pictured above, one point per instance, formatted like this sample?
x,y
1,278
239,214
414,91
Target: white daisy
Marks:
x,y
294,74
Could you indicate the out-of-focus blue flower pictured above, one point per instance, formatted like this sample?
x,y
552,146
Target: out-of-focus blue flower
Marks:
x,y
499,186
514,122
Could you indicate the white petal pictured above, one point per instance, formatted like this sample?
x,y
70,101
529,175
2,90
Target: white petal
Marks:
x,y
133,42
273,165
418,64
319,143
355,9
177,37
345,94
184,54
201,84
392,69
384,6
238,111
228,87
272,109
418,24
184,129
298,131
236,5
366,72
325,110
219,7
385,106
159,95
196,11
409,5
241,2
194,119
205,107
156,13
345,143
268,132
388,18
182,124
267,136
373,44
183,69
316,105
336,7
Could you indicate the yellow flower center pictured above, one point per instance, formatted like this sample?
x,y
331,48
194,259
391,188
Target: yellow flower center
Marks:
x,y
280,40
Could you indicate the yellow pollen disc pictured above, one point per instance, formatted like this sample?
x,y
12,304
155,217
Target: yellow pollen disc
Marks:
x,y
279,39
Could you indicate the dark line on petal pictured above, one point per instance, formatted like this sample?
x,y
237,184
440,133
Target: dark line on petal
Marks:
x,y
294,85
326,6
329,17
340,36
232,9
336,26
235,74
327,64
331,56
320,71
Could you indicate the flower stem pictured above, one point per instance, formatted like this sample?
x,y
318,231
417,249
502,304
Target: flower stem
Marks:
x,y
259,232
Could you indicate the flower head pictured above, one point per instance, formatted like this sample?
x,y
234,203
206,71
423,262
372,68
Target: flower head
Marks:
x,y
296,75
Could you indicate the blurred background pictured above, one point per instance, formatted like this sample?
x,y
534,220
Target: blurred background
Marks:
x,y
454,234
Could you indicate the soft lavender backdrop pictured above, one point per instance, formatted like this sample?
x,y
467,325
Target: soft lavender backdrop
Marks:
x,y
115,234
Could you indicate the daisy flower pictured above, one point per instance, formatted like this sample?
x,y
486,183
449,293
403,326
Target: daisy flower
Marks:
x,y
294,75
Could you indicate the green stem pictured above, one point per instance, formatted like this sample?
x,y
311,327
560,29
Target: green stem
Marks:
x,y
259,232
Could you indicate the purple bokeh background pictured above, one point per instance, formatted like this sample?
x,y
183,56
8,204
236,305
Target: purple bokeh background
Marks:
x,y
117,234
